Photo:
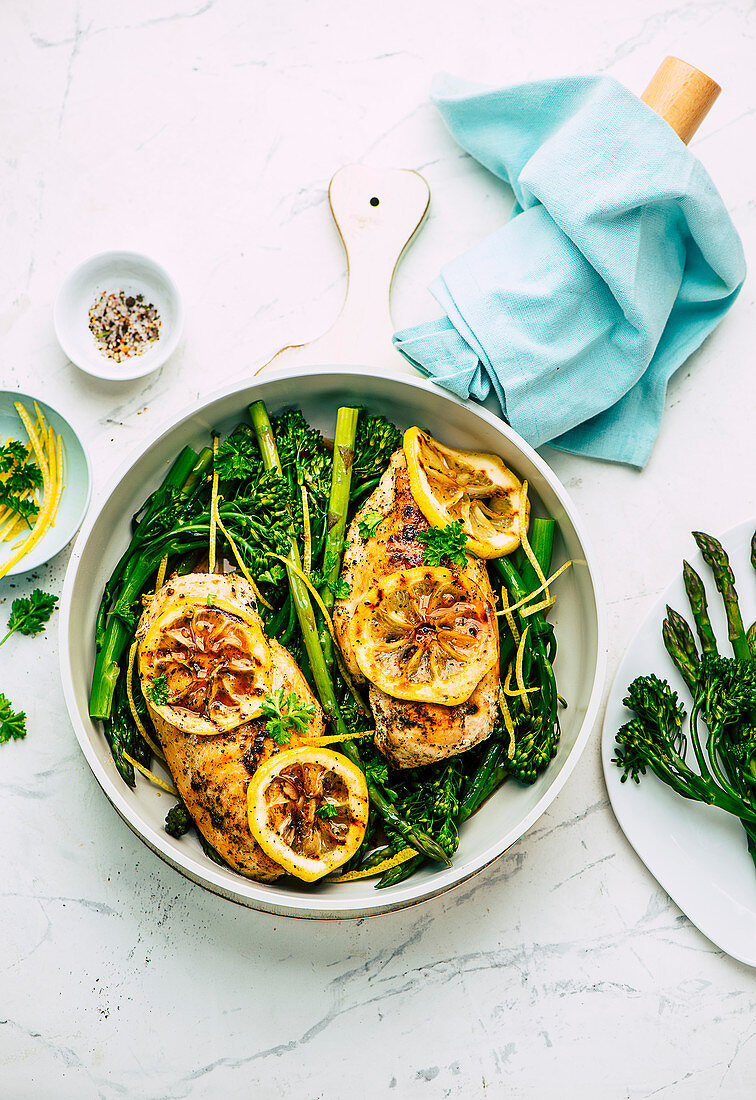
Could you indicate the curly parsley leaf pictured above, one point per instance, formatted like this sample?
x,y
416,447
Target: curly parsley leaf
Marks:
x,y
341,589
285,715
369,524
157,691
24,507
23,478
12,723
444,544
238,456
29,615
326,810
13,453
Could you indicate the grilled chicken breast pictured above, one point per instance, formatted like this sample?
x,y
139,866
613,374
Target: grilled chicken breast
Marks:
x,y
212,772
408,733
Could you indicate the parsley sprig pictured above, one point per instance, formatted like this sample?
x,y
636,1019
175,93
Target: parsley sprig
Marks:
x,y
340,588
285,715
13,453
19,476
444,544
12,722
239,456
327,810
30,615
369,524
156,692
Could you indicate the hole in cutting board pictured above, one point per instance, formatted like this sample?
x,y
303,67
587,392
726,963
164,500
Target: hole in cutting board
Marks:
x,y
375,201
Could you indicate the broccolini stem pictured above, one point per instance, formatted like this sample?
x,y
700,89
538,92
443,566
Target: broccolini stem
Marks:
x,y
320,672
338,506
694,587
716,558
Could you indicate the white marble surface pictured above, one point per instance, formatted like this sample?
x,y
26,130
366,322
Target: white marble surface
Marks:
x,y
205,133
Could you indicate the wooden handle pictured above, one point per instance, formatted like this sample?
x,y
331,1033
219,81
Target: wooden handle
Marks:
x,y
682,96
377,214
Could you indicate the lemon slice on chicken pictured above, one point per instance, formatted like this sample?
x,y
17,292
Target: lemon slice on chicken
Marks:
x,y
204,662
426,634
308,810
476,489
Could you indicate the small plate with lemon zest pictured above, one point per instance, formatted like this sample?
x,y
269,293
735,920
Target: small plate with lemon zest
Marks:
x,y
45,483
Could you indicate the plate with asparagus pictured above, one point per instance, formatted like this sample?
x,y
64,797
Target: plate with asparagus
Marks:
x,y
331,646
679,740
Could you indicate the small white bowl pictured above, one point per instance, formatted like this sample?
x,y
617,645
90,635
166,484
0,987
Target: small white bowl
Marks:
x,y
111,272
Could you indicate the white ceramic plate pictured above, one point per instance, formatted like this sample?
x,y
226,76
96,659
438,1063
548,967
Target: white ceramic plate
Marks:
x,y
697,853
77,478
580,628
113,271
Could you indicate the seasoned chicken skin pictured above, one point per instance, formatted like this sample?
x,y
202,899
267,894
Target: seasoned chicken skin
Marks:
x,y
212,772
408,733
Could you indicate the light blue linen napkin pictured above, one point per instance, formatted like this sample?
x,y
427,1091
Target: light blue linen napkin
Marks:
x,y
618,261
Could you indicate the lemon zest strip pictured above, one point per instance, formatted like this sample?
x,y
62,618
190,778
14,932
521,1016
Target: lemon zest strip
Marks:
x,y
213,510
132,705
518,669
536,591
517,693
333,739
507,613
307,562
161,574
167,787
508,723
379,869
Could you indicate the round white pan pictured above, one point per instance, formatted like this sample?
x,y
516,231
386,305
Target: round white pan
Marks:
x,y
579,618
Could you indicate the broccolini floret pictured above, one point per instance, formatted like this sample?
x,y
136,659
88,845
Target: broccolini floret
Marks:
x,y
178,821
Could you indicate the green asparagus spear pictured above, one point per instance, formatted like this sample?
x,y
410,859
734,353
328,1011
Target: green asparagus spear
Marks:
x,y
694,587
716,558
681,646
338,506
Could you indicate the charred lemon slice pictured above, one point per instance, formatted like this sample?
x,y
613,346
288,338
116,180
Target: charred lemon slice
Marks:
x,y
476,489
308,810
204,663
425,634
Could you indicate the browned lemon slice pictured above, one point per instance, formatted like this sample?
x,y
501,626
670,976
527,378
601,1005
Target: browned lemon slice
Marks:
x,y
476,489
308,810
425,634
204,663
